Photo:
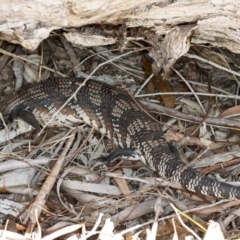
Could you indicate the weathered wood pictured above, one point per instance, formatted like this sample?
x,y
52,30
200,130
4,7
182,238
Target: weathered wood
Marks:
x,y
29,22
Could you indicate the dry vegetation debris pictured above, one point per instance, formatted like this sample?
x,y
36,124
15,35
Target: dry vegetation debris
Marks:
x,y
56,172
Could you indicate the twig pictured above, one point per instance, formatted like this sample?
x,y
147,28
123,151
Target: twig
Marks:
x,y
212,87
189,93
211,63
72,55
81,147
84,82
66,172
106,51
93,231
153,232
109,172
224,60
173,215
41,198
122,67
63,231
190,88
223,122
32,62
13,164
143,85
183,224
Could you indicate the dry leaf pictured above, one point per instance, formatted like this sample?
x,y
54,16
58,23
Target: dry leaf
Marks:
x,y
31,70
163,86
122,184
63,231
216,158
106,232
18,69
11,235
17,181
231,112
10,207
135,211
191,106
167,229
17,127
212,56
174,45
213,231
20,227
91,187
159,83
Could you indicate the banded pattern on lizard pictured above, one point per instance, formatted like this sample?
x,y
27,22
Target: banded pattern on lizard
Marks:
x,y
113,112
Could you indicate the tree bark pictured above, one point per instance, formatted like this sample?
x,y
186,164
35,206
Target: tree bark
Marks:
x,y
29,22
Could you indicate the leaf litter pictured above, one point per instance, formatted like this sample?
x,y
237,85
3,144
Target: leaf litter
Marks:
x,y
85,199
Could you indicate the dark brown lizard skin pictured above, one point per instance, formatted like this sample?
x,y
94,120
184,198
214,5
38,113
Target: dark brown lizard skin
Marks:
x,y
113,112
